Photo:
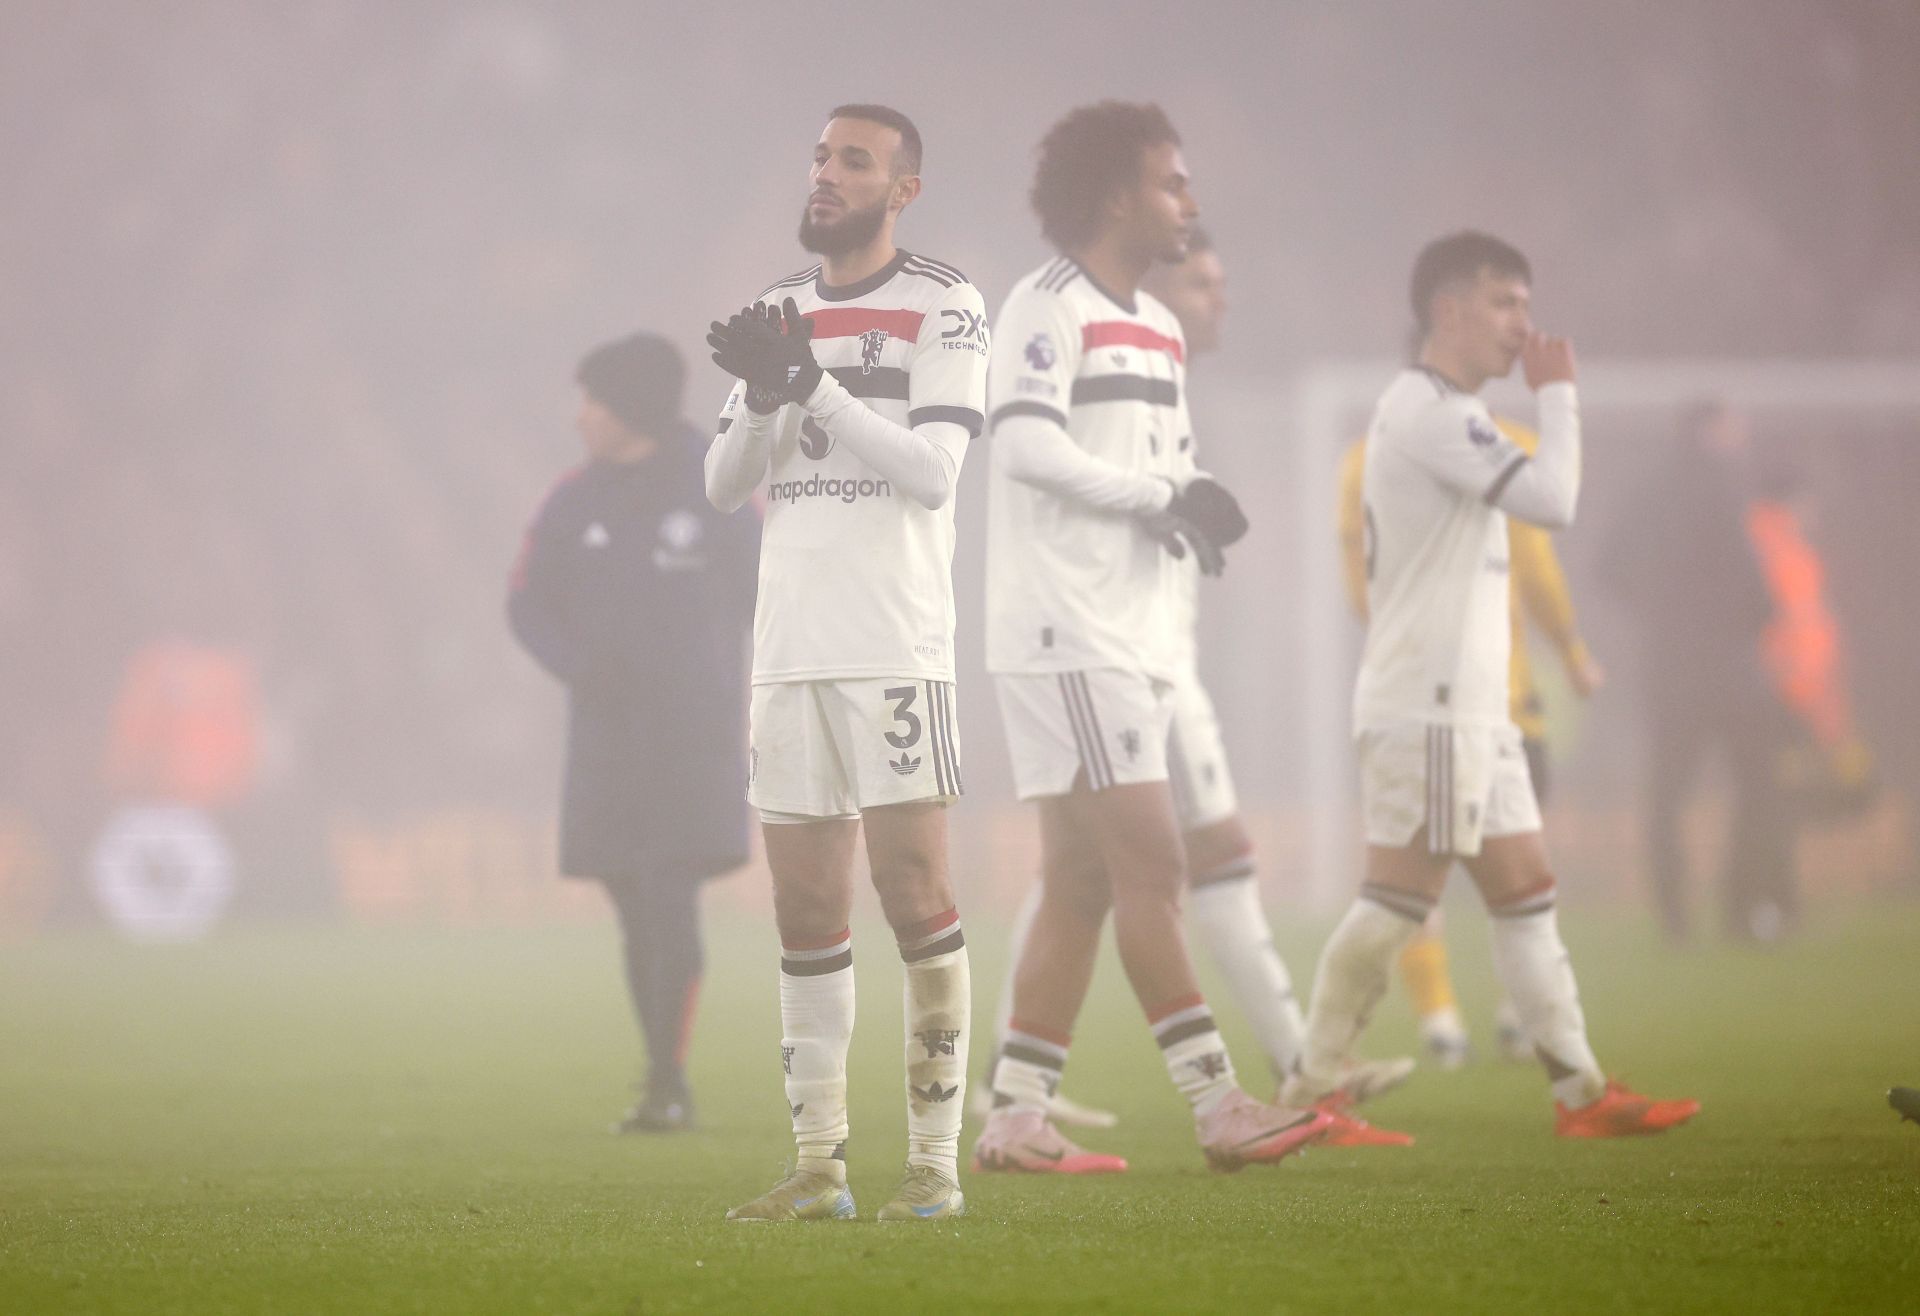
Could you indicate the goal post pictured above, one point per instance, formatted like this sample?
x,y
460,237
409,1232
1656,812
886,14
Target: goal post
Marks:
x,y
1281,647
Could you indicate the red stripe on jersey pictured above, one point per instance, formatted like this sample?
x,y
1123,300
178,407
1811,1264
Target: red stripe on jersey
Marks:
x,y
850,321
1125,333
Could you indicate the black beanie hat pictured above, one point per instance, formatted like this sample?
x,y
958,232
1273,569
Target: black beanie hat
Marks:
x,y
639,379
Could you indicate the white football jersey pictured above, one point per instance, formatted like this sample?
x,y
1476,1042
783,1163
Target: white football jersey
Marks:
x,y
856,580
1072,587
1439,635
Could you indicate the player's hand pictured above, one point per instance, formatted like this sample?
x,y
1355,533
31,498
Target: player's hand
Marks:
x,y
1178,534
1546,360
1584,673
1179,537
1204,503
803,372
737,347
739,344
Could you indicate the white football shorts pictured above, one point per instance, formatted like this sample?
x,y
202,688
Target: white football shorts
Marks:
x,y
1203,791
1460,783
1106,724
828,749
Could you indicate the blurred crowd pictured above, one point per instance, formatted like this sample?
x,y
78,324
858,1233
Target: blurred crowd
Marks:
x,y
294,294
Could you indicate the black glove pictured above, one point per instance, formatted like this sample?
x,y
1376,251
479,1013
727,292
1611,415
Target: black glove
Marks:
x,y
771,349
1204,503
1177,534
734,350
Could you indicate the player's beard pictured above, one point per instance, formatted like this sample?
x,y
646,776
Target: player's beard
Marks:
x,y
853,231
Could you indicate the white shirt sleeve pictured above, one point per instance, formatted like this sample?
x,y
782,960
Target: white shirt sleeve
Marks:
x,y
1455,441
1036,354
741,451
946,389
1543,491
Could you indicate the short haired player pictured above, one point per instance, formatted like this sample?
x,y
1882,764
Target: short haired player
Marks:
x,y
862,380
1442,773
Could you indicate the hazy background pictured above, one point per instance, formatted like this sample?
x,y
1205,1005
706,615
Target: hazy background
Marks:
x,y
293,295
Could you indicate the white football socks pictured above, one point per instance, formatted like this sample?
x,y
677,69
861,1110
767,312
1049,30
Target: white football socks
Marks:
x,y
1226,915
1534,966
816,1023
1353,974
939,990
1197,1059
1027,1072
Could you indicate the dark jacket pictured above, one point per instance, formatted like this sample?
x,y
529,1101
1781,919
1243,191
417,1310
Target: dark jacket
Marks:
x,y
1683,564
638,596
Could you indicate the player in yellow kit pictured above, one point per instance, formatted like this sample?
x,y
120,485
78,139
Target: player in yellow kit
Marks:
x,y
1540,598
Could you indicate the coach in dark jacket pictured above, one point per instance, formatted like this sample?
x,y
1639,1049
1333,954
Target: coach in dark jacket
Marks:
x,y
638,596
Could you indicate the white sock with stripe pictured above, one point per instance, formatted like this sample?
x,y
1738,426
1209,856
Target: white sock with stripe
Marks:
x,y
1196,1057
1028,1072
816,1022
939,993
1534,965
1226,915
1355,969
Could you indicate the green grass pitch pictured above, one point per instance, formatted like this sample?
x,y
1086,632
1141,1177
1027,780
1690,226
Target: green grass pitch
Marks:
x,y
368,1122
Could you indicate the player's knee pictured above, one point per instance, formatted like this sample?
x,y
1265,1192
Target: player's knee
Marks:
x,y
1080,887
805,913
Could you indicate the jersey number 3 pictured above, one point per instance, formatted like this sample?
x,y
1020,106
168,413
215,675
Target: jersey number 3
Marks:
x,y
903,715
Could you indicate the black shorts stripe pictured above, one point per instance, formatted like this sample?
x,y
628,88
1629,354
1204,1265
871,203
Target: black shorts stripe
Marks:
x,y
814,968
934,734
726,423
1126,388
1025,408
879,382
1081,736
965,417
951,942
1502,480
1099,741
949,736
1181,1032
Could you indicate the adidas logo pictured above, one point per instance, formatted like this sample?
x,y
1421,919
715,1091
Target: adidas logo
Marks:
x,y
798,1107
904,765
933,1092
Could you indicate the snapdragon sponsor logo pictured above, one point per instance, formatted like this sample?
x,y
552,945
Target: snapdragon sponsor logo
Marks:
x,y
815,486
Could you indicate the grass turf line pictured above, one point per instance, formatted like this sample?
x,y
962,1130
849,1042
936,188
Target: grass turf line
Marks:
x,y
337,1120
